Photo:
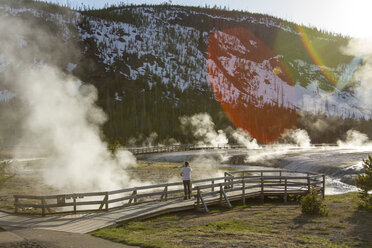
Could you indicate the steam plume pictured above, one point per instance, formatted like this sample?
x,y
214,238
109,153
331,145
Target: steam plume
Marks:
x,y
60,116
362,48
354,139
242,138
298,137
202,128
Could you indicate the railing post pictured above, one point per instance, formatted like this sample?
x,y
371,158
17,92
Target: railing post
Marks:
x,y
262,188
285,189
106,203
231,180
243,190
198,197
74,199
43,206
308,184
212,185
220,194
280,175
323,190
16,201
135,195
166,192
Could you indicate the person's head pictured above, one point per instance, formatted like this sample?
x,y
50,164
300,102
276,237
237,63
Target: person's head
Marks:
x,y
186,163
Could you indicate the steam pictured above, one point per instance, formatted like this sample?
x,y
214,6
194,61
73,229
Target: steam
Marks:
x,y
297,137
354,139
150,141
209,165
243,138
60,115
202,129
362,48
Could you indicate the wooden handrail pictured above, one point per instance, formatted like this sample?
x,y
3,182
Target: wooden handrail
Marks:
x,y
166,191
174,148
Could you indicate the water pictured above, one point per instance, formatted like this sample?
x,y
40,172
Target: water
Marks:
x,y
340,165
333,185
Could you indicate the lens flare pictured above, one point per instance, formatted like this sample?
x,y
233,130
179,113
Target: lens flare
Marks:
x,y
251,83
315,56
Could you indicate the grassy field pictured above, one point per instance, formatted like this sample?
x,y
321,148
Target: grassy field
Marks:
x,y
273,224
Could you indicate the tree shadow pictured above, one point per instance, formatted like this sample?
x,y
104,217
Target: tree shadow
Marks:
x,y
362,230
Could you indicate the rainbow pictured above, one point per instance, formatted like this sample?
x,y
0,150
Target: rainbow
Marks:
x,y
315,56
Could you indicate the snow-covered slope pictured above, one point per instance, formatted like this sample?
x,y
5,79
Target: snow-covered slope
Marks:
x,y
168,45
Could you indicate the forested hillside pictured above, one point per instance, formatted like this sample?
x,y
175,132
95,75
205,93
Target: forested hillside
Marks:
x,y
149,64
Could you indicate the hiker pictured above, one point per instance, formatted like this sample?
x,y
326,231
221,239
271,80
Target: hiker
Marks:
x,y
186,175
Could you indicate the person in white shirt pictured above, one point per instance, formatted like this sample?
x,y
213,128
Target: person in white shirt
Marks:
x,y
186,176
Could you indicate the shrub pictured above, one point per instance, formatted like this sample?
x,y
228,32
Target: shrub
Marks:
x,y
312,204
364,182
114,146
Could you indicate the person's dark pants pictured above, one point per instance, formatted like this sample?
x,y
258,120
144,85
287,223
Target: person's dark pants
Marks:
x,y
187,188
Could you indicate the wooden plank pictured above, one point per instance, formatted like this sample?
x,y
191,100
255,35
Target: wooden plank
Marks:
x,y
197,198
16,202
203,202
90,222
226,199
285,190
43,206
133,197
104,203
270,185
323,186
164,194
262,188
220,194
74,202
243,191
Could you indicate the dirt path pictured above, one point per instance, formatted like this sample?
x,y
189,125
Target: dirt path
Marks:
x,y
35,238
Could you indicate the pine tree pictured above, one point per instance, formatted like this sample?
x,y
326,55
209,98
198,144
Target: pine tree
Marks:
x,y
364,182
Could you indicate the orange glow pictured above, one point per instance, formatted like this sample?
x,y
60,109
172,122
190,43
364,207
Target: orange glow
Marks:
x,y
252,85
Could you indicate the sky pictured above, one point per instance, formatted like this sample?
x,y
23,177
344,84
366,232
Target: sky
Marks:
x,y
348,17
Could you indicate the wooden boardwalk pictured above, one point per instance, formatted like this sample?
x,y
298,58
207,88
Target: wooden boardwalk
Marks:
x,y
88,222
69,212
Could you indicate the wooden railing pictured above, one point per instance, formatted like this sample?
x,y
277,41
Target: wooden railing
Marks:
x,y
178,148
237,184
259,183
191,147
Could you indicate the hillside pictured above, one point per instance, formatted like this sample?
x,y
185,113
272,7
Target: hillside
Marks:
x,y
150,66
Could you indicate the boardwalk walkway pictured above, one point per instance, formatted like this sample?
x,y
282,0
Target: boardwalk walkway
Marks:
x,y
88,222
69,212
